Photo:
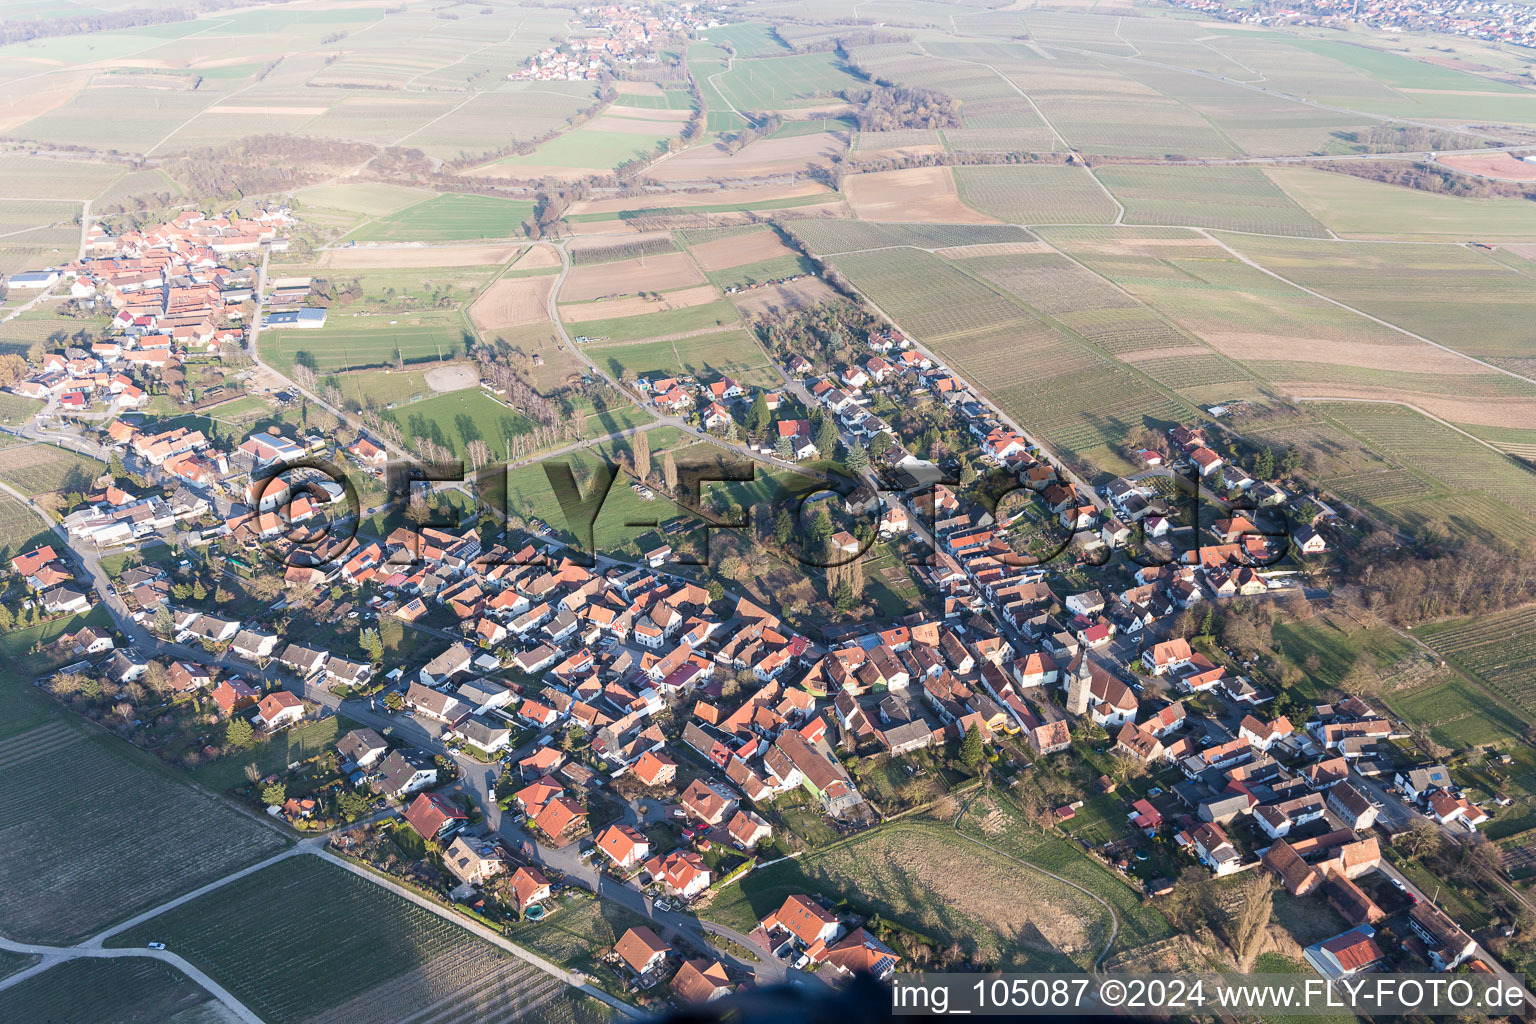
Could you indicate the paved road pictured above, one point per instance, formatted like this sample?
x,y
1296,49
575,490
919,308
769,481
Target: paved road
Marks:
x,y
54,955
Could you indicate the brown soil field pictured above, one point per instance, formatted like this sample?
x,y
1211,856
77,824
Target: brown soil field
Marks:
x,y
1492,165
511,302
413,257
1409,357
634,305
715,197
637,88
1481,411
652,274
778,298
923,194
453,377
537,257
52,92
738,252
760,159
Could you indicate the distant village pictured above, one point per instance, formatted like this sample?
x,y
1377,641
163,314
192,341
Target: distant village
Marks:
x,y
614,35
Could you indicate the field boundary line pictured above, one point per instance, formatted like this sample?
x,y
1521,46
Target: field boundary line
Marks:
x,y
1360,312
1011,84
55,955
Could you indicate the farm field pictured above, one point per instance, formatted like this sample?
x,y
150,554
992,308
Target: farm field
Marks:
x,y
129,989
747,39
647,273
923,194
1369,209
512,302
705,356
710,316
40,468
1237,198
767,83
138,834
1455,295
23,178
1499,649
371,199
448,217
1044,194
19,527
307,941
15,410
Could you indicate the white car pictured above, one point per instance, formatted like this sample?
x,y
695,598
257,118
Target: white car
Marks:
x,y
157,945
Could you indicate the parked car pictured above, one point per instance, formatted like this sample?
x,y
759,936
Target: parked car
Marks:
x,y
157,945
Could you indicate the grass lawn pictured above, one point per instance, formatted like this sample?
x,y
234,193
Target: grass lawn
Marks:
x,y
452,216
655,325
577,932
918,875
296,744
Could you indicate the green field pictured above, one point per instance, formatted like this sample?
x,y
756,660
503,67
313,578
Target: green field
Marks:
x,y
369,341
1458,715
20,528
917,874
706,356
766,83
757,273
1370,209
590,148
709,316
299,743
748,39
1455,295
371,199
304,937
450,217
138,835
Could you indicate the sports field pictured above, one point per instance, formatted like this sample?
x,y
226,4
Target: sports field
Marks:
x,y
379,340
